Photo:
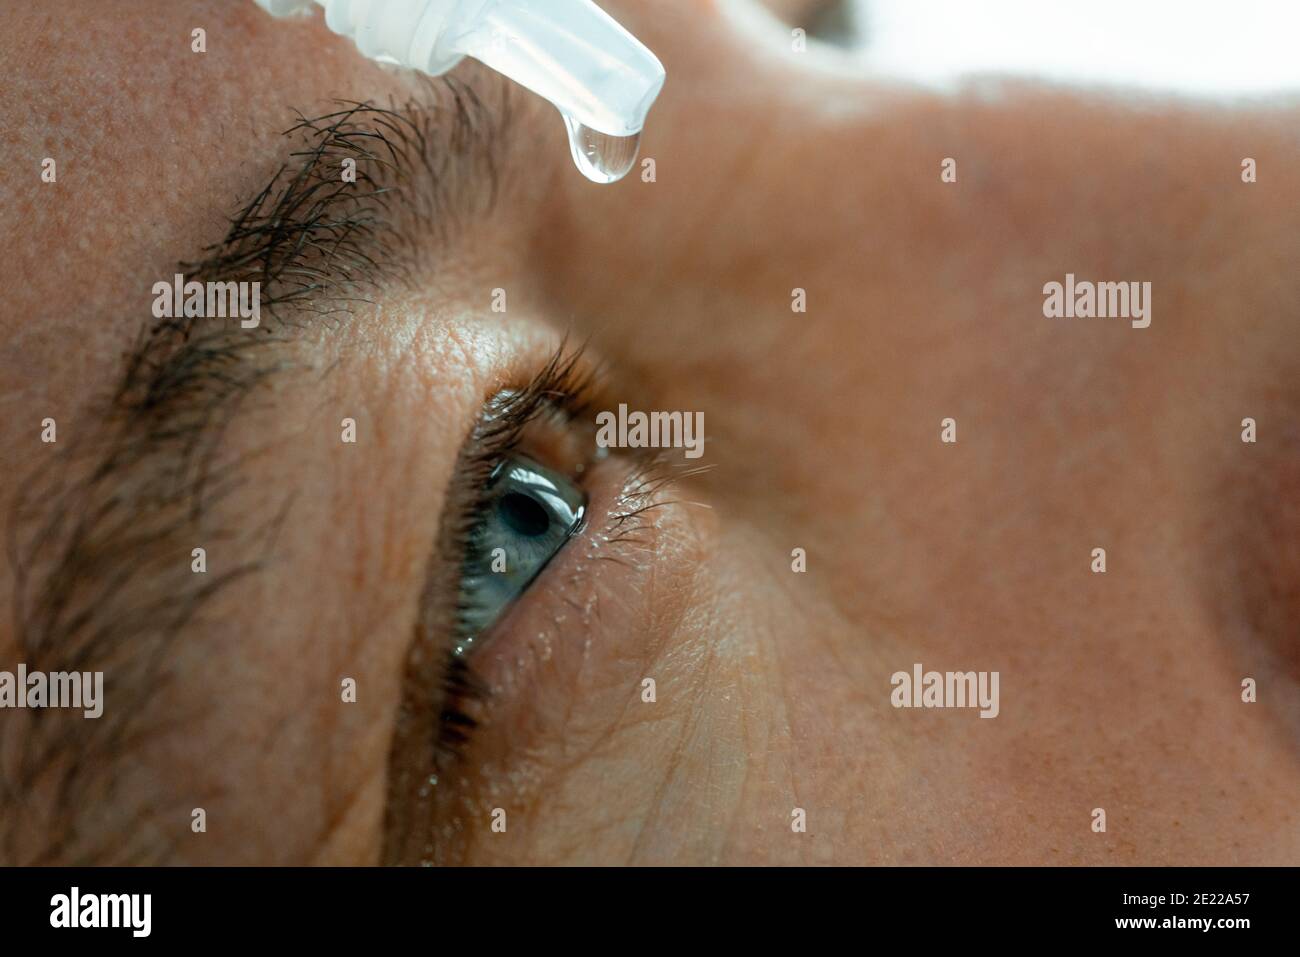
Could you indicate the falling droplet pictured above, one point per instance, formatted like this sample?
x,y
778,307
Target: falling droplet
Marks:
x,y
600,157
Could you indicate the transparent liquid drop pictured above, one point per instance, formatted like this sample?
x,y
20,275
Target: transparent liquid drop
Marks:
x,y
600,157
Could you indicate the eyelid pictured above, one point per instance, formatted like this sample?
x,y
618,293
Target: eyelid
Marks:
x,y
568,656
610,596
430,725
486,591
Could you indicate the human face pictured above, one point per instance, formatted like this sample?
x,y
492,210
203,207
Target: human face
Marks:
x,y
713,650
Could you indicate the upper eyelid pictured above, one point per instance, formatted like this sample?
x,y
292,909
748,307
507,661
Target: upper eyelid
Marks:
x,y
443,693
569,384
435,679
560,383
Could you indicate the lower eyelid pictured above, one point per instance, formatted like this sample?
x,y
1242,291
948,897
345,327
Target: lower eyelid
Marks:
x,y
568,656
607,561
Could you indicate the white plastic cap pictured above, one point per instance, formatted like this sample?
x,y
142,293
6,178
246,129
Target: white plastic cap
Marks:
x,y
574,54
570,52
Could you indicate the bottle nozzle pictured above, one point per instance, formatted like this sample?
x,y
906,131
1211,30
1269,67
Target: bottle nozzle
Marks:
x,y
573,54
570,52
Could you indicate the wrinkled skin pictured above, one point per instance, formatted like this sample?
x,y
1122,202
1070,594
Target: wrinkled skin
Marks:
x,y
1119,691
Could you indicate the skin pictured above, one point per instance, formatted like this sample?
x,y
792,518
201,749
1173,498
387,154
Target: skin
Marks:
x,y
1119,691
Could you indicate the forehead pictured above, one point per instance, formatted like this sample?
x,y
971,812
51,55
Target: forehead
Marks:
x,y
148,144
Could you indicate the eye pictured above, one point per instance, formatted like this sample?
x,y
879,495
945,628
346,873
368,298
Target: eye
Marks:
x,y
527,513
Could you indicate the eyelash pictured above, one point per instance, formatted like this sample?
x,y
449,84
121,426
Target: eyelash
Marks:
x,y
560,390
564,389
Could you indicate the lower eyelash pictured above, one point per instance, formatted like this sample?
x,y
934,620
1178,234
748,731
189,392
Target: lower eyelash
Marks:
x,y
561,388
642,492
655,473
459,685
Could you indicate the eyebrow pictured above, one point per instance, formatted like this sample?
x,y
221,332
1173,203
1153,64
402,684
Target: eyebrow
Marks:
x,y
99,537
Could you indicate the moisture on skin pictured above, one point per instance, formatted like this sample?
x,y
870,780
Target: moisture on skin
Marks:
x,y
923,302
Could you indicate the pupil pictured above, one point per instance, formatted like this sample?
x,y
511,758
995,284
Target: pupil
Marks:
x,y
525,516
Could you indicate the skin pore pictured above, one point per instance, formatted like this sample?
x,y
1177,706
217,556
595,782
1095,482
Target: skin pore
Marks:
x,y
924,301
